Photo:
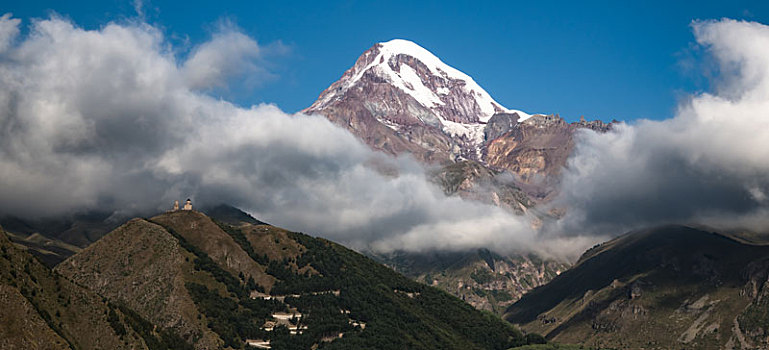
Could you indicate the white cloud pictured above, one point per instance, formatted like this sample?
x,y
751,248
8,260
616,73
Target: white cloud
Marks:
x,y
138,7
707,165
9,30
229,53
111,118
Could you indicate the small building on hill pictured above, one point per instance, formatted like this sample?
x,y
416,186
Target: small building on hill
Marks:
x,y
187,205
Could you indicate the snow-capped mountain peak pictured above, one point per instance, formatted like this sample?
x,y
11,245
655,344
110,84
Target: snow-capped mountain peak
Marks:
x,y
451,94
424,105
391,49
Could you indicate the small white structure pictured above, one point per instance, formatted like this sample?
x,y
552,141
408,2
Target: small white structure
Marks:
x,y
176,206
258,343
187,205
286,316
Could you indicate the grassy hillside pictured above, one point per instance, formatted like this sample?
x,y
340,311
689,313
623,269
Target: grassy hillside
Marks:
x,y
235,281
43,310
669,287
142,266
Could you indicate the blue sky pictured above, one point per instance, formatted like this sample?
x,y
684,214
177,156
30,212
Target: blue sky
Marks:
x,y
606,60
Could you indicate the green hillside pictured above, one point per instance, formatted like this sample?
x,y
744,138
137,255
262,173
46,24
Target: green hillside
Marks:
x,y
246,281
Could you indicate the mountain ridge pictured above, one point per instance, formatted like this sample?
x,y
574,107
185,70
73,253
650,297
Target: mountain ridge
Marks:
x,y
333,289
665,287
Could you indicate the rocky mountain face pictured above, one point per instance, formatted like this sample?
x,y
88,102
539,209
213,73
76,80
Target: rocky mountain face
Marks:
x,y
664,288
472,180
483,279
237,281
534,150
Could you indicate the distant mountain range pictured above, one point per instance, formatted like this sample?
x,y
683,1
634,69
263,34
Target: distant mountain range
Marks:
x,y
54,239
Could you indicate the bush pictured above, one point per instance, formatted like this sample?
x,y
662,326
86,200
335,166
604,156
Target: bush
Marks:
x,y
534,338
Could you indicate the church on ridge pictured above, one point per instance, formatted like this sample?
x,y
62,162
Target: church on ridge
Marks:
x,y
187,205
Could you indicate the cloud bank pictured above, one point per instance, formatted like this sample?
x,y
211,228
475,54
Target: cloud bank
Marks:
x,y
707,165
113,119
